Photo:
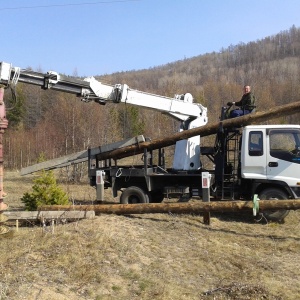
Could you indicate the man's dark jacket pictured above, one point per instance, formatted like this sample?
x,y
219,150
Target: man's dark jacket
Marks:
x,y
247,102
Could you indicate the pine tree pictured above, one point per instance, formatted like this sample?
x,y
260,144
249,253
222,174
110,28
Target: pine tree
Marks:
x,y
45,191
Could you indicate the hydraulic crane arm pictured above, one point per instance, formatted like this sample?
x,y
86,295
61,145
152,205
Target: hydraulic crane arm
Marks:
x,y
180,107
51,80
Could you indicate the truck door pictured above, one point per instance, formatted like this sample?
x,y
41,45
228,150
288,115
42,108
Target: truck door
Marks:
x,y
253,154
283,155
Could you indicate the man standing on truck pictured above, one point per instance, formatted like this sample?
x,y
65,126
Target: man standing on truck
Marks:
x,y
246,104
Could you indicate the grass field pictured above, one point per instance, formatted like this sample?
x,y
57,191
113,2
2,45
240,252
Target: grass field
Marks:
x,y
150,256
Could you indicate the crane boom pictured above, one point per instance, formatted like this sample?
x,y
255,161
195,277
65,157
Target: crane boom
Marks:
x,y
181,107
12,75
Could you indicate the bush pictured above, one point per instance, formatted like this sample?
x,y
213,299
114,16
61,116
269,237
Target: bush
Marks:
x,y
45,192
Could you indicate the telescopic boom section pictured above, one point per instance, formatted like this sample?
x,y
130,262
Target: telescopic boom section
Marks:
x,y
10,76
180,107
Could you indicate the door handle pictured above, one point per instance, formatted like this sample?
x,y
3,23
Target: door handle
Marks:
x,y
273,164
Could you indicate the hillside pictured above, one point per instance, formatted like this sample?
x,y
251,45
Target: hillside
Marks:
x,y
149,256
152,256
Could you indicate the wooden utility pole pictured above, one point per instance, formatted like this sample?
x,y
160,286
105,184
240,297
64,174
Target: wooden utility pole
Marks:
x,y
3,126
253,118
138,144
178,208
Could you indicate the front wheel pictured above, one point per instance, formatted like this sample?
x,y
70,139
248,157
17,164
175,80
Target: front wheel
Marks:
x,y
134,195
274,194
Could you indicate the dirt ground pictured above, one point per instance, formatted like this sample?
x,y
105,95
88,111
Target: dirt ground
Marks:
x,y
150,256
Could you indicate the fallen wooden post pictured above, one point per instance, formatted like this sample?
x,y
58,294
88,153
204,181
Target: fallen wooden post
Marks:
x,y
210,129
179,208
138,144
39,215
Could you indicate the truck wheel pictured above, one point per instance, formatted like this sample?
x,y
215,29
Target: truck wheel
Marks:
x,y
134,195
274,194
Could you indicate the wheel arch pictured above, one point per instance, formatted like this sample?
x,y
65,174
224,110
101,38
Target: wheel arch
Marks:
x,y
261,186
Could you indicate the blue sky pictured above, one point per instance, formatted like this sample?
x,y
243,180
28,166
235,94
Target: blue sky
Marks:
x,y
90,37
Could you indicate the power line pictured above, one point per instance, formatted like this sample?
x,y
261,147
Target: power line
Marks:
x,y
64,5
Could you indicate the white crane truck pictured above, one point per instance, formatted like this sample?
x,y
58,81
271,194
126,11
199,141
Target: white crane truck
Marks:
x,y
253,160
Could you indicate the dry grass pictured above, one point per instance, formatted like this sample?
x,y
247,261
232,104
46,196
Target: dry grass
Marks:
x,y
152,256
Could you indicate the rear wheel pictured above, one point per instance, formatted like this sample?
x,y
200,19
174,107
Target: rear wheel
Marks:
x,y
134,195
274,194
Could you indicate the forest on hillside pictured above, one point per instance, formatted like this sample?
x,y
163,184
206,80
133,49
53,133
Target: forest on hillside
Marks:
x,y
51,124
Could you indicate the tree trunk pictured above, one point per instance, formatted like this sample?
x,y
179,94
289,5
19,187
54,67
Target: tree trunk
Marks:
x,y
179,208
253,118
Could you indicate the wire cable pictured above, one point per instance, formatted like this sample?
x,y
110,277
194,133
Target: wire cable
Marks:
x,y
65,5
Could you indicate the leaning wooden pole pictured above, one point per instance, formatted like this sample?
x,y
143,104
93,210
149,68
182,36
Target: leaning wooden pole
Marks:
x,y
178,208
3,126
254,118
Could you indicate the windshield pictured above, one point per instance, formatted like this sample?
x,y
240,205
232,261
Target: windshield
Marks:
x,y
285,144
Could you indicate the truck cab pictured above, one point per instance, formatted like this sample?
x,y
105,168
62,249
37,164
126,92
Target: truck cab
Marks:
x,y
270,155
260,160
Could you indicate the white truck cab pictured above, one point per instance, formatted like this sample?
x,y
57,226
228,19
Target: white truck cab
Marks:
x,y
270,162
272,152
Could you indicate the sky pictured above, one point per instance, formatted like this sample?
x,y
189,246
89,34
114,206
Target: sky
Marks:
x,y
90,37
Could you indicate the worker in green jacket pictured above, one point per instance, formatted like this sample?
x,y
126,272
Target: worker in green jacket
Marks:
x,y
246,104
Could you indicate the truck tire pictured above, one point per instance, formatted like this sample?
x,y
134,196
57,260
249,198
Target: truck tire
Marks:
x,y
134,195
274,194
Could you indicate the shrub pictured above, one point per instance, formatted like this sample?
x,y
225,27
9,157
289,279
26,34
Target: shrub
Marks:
x,y
45,191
